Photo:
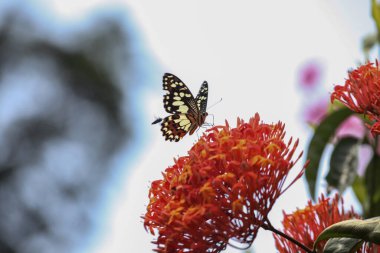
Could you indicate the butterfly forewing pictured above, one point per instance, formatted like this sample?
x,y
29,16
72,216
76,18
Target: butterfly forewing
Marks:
x,y
178,98
201,98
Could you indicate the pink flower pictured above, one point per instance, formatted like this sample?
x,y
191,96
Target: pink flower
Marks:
x,y
353,126
365,155
310,75
315,112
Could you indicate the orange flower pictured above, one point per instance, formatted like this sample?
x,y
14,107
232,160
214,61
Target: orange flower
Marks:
x,y
361,93
223,190
306,224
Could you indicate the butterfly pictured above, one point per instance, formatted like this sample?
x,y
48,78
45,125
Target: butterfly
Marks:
x,y
187,113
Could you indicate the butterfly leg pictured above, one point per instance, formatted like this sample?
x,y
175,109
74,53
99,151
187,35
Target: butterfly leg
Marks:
x,y
206,124
197,132
158,120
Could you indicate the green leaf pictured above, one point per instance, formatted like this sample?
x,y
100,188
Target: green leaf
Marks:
x,y
372,177
376,14
322,135
343,164
367,230
342,245
360,189
368,43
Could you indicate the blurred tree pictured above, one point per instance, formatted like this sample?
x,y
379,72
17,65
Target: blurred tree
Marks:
x,y
61,121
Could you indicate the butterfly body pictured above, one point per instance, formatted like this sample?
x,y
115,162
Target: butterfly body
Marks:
x,y
188,113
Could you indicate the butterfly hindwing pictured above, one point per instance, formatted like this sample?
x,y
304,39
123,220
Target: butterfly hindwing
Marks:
x,y
175,126
201,98
178,98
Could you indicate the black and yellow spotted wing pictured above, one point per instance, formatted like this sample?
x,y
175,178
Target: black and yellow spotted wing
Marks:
x,y
188,113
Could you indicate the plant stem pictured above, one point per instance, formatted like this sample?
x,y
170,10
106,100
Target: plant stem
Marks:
x,y
268,226
372,178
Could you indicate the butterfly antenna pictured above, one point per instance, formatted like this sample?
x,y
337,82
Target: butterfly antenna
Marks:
x,y
217,102
158,120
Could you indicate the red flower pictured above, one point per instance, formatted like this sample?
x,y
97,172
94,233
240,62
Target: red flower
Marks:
x,y
306,224
222,190
361,93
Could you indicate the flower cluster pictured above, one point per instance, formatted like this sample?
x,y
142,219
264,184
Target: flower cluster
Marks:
x,y
223,190
306,224
361,93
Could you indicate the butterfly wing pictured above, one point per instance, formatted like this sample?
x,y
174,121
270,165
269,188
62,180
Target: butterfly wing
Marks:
x,y
187,111
201,98
174,127
178,98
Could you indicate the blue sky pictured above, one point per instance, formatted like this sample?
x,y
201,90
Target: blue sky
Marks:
x,y
248,51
